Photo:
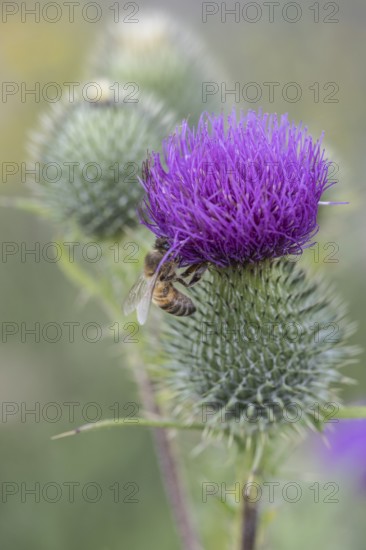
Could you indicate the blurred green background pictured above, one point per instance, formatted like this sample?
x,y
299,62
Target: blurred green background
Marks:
x,y
81,372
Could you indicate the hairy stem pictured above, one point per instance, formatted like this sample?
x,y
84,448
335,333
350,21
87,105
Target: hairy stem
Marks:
x,y
169,467
249,522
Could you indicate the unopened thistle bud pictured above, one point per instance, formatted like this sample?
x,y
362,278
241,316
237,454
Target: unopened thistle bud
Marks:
x,y
90,156
160,56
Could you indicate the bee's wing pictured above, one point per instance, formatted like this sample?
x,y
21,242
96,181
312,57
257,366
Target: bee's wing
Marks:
x,y
140,297
143,307
135,295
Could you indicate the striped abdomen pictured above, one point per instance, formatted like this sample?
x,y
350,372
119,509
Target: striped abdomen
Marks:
x,y
168,298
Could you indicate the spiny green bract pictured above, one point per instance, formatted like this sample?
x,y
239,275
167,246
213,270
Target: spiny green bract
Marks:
x,y
90,157
263,349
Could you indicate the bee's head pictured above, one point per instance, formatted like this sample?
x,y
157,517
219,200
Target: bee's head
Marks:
x,y
162,244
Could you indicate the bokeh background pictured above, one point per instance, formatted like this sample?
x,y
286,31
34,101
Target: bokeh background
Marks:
x,y
81,372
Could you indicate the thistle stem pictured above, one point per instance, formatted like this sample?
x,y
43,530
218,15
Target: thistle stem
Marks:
x,y
249,519
169,468
249,522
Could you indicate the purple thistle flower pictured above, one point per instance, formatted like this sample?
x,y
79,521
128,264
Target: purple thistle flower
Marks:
x,y
235,193
346,449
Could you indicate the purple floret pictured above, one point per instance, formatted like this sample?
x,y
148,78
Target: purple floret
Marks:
x,y
237,192
346,449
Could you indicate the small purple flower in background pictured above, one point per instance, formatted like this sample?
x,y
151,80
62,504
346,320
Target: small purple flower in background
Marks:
x,y
236,193
346,449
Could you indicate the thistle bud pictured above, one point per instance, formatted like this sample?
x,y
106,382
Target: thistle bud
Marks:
x,y
159,55
91,155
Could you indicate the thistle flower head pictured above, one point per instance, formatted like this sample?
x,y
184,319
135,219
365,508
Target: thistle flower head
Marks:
x,y
236,193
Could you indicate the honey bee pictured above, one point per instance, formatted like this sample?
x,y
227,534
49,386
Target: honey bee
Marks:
x,y
156,285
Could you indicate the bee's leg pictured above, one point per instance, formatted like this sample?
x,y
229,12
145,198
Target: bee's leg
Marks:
x,y
191,269
186,273
197,274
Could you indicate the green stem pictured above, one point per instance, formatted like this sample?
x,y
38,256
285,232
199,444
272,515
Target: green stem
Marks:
x,y
350,412
250,517
249,520
170,468
26,204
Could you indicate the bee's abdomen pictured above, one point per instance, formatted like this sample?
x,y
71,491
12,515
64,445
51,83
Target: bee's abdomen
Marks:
x,y
172,301
180,308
